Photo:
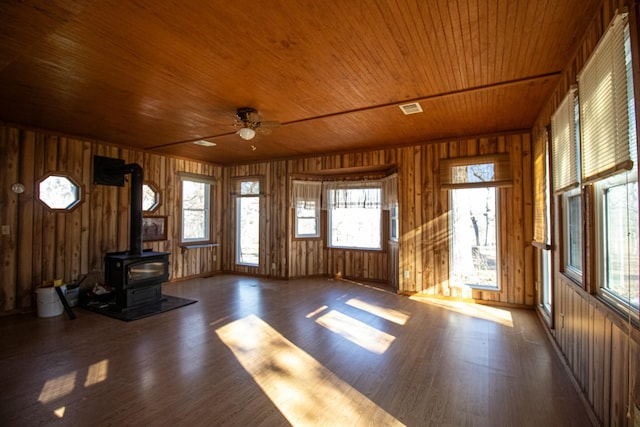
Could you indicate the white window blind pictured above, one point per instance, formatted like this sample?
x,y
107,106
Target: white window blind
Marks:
x,y
563,147
604,105
540,198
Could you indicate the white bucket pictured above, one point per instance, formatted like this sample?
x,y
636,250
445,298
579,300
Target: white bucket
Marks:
x,y
48,302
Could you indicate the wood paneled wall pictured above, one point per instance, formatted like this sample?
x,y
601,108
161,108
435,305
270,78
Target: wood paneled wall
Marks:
x,y
69,244
604,361
423,210
600,349
273,218
424,226
311,257
45,245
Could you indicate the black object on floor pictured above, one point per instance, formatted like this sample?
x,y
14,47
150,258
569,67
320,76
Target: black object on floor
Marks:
x,y
65,303
167,303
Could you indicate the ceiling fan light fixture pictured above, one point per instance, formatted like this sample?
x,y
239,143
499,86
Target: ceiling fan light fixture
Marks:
x,y
247,133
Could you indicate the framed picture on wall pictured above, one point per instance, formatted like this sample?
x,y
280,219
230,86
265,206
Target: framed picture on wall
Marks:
x,y
154,228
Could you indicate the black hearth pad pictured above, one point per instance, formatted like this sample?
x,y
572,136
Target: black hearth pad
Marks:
x,y
167,303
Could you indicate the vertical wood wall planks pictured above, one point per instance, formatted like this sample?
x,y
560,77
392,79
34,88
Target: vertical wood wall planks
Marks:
x,y
591,337
25,230
74,244
71,244
9,164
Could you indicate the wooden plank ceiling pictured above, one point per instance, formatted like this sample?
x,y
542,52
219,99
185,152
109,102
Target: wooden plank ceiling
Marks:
x,y
158,74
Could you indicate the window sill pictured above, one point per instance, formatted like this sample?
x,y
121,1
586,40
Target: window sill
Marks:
x,y
623,311
244,264
183,248
575,280
340,248
303,238
481,288
545,315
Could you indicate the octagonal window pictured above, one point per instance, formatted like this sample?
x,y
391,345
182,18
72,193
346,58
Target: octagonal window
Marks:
x,y
59,192
150,197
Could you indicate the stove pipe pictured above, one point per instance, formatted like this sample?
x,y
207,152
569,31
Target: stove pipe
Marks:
x,y
135,230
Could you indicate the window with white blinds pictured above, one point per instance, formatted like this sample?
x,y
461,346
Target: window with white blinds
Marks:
x,y
564,145
604,105
541,200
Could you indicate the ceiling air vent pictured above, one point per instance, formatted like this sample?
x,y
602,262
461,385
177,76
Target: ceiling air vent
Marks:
x,y
412,108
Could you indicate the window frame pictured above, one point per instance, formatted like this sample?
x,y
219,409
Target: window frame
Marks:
x,y
316,217
496,220
613,299
367,185
569,269
545,270
394,224
158,198
240,196
207,209
73,180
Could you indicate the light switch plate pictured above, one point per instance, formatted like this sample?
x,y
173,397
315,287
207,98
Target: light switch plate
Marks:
x,y
6,230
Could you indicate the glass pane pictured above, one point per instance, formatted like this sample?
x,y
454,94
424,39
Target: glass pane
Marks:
x,y
250,187
472,173
306,227
193,225
248,230
621,237
355,228
393,216
474,257
547,295
59,192
305,212
149,198
145,270
574,212
193,195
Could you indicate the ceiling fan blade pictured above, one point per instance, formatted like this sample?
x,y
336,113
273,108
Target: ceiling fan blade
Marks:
x,y
263,130
254,117
269,124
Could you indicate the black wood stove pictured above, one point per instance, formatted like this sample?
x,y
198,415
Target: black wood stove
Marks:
x,y
135,275
136,279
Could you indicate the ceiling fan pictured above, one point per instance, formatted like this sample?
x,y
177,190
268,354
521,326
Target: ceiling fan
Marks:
x,y
250,122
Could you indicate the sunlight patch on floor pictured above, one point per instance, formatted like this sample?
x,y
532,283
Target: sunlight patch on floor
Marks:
x,y
97,373
356,331
303,390
316,311
479,311
58,387
390,314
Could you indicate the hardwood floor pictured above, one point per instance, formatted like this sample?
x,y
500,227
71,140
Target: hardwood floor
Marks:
x,y
257,352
